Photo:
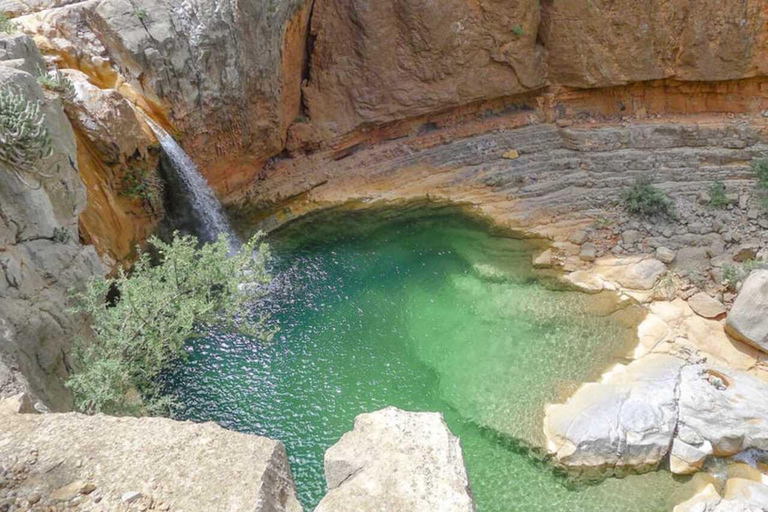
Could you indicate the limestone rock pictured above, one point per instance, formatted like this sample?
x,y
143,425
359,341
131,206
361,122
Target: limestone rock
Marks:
x,y
543,260
397,461
37,269
686,458
726,408
377,62
627,420
588,252
704,305
642,275
748,319
665,255
185,465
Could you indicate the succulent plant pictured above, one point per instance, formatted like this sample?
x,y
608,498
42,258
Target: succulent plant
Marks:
x,y
24,139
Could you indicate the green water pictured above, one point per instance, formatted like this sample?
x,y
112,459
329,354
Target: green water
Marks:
x,y
426,310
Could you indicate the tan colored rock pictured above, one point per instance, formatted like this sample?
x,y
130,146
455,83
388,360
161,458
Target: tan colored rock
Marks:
x,y
642,276
704,305
397,461
748,319
185,465
378,62
543,260
589,44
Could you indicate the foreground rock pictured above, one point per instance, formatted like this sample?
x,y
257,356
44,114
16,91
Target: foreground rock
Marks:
x,y
748,319
740,495
105,463
397,461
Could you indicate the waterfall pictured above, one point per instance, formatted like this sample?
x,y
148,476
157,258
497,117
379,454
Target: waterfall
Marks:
x,y
208,215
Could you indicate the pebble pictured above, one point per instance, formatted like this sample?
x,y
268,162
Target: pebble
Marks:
x,y
665,255
130,496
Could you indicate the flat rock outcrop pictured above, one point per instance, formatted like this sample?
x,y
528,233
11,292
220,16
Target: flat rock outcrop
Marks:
x,y
656,405
41,258
397,461
748,319
104,463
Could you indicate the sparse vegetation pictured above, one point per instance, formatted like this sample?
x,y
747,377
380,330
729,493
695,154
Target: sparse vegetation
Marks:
x,y
734,274
602,222
6,25
24,139
644,199
518,30
57,82
154,311
717,197
61,235
142,184
141,14
760,169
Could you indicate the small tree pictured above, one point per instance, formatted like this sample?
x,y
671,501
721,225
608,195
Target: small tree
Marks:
x,y
158,307
644,199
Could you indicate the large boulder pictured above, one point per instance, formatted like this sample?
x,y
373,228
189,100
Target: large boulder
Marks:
x,y
748,319
627,420
60,459
397,461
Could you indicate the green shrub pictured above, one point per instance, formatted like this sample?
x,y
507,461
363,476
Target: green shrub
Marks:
x,y
142,184
57,82
760,168
61,235
6,25
24,139
717,195
518,30
141,14
158,307
644,199
734,274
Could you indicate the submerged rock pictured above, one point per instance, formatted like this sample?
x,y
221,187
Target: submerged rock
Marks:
x,y
395,460
748,319
125,460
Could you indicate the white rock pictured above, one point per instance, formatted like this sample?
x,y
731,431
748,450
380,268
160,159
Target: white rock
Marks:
x,y
748,319
397,461
686,458
626,420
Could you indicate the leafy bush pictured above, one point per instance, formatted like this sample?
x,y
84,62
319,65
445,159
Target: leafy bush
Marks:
x,y
142,184
141,14
61,235
717,197
518,30
6,25
57,82
644,199
24,139
157,308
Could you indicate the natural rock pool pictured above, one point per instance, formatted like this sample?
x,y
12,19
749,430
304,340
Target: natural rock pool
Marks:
x,y
426,309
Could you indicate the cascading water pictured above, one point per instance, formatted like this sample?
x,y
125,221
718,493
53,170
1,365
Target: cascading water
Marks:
x,y
209,218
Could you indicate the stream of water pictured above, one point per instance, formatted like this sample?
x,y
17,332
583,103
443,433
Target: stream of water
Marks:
x,y
426,310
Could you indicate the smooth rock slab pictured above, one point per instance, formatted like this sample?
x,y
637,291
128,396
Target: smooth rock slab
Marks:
x,y
186,465
748,319
626,420
704,305
397,461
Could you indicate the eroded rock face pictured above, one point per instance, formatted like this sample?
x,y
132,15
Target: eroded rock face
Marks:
x,y
226,75
376,62
599,43
397,461
41,258
748,319
181,465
